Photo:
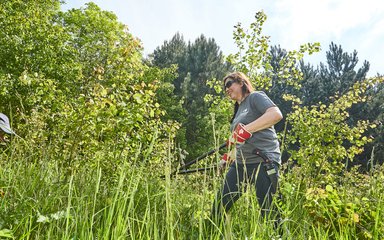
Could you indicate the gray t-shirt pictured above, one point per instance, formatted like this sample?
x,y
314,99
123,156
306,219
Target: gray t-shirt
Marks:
x,y
250,109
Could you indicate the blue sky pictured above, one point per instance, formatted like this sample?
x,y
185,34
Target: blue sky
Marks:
x,y
353,24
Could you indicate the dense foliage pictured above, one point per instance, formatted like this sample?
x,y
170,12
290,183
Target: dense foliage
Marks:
x,y
197,63
98,126
84,90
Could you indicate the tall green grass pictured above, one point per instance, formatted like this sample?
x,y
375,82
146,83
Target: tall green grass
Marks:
x,y
39,202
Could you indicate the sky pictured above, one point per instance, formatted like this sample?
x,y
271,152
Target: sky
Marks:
x,y
353,24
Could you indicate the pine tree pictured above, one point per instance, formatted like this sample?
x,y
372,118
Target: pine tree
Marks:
x,y
197,62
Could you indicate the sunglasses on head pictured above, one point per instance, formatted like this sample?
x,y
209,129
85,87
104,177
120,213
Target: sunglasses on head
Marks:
x,y
229,83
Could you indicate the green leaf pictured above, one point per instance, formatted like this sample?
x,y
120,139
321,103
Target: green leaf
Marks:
x,y
329,188
6,233
138,97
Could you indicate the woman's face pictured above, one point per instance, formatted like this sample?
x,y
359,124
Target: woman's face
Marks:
x,y
233,89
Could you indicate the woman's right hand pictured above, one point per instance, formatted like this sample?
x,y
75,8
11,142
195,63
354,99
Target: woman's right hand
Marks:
x,y
223,162
227,159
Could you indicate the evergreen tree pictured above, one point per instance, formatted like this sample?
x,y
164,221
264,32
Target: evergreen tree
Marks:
x,y
172,52
279,87
197,62
373,110
332,79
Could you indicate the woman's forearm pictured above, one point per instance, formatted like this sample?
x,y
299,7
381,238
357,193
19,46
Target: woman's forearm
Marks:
x,y
269,118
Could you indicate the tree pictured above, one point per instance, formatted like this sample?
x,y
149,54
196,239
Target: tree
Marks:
x,y
197,62
172,52
279,87
373,110
335,78
28,37
331,80
77,86
205,62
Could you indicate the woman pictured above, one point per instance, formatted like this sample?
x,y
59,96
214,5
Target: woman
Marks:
x,y
256,144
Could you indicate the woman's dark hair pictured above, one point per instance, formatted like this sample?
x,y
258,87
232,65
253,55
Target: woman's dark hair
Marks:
x,y
239,77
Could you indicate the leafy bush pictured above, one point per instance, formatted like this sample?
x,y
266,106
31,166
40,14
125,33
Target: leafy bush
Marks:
x,y
107,104
325,139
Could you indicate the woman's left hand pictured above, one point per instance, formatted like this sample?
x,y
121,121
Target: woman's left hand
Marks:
x,y
240,134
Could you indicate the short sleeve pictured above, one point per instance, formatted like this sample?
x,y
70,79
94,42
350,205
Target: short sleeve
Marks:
x,y
261,102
